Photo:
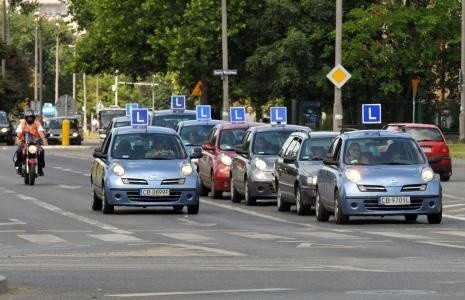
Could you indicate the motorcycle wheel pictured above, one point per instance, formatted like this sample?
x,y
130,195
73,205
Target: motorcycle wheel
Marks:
x,y
25,175
32,175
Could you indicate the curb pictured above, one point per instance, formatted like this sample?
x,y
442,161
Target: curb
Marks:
x,y
3,284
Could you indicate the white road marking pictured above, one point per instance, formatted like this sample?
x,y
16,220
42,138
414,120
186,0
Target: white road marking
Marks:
x,y
397,235
434,243
71,215
68,187
452,196
304,245
453,205
191,237
57,167
9,192
67,170
12,230
42,238
191,222
451,232
211,292
115,237
257,235
86,174
332,235
65,231
328,246
458,210
454,217
76,172
13,222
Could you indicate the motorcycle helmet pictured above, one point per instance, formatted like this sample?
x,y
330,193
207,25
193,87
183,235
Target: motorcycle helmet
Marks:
x,y
30,116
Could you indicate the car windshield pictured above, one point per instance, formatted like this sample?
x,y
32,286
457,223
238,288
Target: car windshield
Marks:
x,y
195,135
229,138
424,134
3,119
382,151
122,124
147,146
269,142
171,120
58,123
315,148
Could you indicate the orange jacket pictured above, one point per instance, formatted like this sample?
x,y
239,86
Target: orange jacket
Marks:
x,y
34,131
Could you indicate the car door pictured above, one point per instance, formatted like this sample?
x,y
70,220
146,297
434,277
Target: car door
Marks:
x,y
207,160
292,168
286,182
279,163
99,166
333,173
240,162
325,173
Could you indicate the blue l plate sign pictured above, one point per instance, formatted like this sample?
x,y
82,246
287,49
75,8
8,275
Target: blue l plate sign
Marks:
x,y
203,113
130,107
371,113
278,115
178,102
140,117
237,114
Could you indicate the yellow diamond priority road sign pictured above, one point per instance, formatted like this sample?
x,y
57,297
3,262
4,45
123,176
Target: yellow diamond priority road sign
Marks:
x,y
338,76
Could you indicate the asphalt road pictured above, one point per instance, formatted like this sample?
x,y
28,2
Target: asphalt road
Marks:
x,y
53,246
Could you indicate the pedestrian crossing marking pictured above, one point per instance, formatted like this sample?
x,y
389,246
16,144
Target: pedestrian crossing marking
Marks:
x,y
191,237
257,235
115,237
397,235
42,238
451,232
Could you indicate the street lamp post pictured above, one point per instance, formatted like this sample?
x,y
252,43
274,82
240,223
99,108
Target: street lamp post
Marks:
x,y
36,56
462,78
224,43
337,106
57,63
116,87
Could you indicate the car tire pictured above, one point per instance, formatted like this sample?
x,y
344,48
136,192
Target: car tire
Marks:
x,y
249,199
95,202
435,218
301,208
411,218
214,193
339,216
321,213
282,205
178,208
235,196
203,190
193,209
444,177
107,209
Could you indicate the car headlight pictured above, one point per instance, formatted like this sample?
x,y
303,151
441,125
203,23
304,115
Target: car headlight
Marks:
x,y
75,134
311,180
260,164
186,169
353,175
225,159
427,174
32,149
117,169
5,130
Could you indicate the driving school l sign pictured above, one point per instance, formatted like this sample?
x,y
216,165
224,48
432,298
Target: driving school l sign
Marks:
x,y
338,76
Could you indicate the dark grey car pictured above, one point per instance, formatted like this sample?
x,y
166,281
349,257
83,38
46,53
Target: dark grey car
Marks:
x,y
7,131
296,169
252,169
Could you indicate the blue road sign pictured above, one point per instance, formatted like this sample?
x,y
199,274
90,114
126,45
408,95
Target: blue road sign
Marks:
x,y
178,102
130,107
140,117
278,115
237,114
371,113
203,112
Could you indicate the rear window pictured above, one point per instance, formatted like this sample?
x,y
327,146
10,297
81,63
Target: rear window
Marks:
x,y
425,134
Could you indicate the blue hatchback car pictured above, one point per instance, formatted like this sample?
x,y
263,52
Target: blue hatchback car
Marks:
x,y
377,173
143,167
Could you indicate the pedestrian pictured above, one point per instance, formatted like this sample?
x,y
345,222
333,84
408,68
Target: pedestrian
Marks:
x,y
250,115
94,124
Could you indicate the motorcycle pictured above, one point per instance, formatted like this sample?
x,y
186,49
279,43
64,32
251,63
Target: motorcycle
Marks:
x,y
31,150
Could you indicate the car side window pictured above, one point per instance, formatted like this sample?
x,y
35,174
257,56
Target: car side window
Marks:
x,y
285,146
246,140
295,149
335,146
213,136
106,143
289,150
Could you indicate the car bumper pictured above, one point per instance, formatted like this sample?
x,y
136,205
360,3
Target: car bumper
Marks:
x,y
222,178
261,185
131,197
308,195
444,166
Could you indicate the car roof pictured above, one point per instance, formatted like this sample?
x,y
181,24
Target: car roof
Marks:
x,y
375,133
56,118
118,119
282,127
173,112
422,125
315,134
150,129
200,122
245,125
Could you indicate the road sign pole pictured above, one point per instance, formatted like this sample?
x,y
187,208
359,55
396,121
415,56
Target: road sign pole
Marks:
x,y
337,107
462,74
224,42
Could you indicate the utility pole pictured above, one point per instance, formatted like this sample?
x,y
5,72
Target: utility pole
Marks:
x,y
36,57
84,87
57,63
462,79
4,35
337,107
224,44
116,87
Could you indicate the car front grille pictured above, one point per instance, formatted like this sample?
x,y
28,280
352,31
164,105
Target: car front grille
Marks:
x,y
414,187
372,204
173,181
134,181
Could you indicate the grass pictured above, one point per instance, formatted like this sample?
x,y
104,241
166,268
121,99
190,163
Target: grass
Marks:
x,y
457,150
91,135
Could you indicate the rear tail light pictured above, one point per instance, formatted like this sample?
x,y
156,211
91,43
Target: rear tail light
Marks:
x,y
444,150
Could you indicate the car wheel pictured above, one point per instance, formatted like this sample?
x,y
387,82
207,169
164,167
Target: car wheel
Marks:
x,y
411,218
95,202
445,177
282,205
214,193
339,216
107,208
193,209
435,218
203,190
235,196
178,208
301,207
322,214
249,199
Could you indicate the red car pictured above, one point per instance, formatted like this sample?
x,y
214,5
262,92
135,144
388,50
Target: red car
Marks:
x,y
432,142
214,166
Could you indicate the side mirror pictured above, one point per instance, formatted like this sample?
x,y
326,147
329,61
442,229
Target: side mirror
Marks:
x,y
197,153
102,136
99,154
434,159
241,150
289,160
207,147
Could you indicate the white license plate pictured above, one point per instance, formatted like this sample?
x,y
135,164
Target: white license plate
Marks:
x,y
155,192
426,149
394,201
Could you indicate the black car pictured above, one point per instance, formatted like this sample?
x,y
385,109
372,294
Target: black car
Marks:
x,y
296,169
171,118
54,128
7,130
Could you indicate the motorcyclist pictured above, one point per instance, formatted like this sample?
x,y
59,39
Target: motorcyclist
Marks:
x,y
32,126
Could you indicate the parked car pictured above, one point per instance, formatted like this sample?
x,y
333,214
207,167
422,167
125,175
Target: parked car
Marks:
x,y
214,166
115,123
252,168
7,130
54,129
171,118
296,169
432,142
144,167
377,173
